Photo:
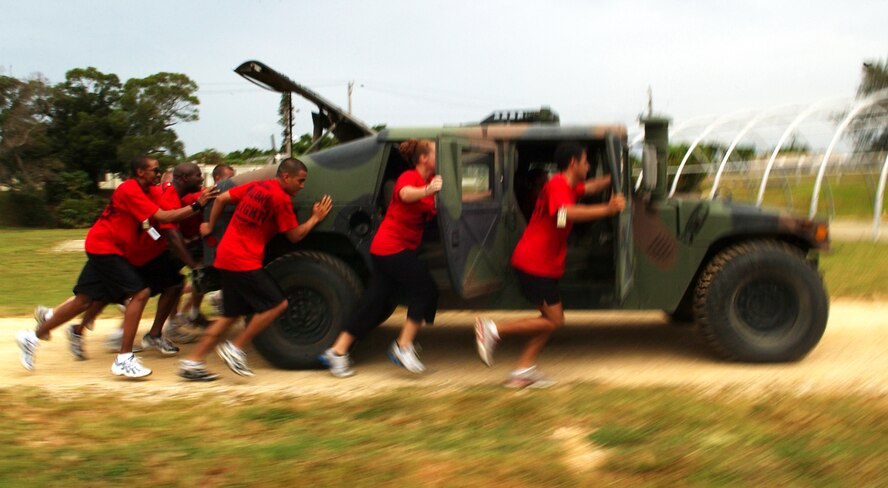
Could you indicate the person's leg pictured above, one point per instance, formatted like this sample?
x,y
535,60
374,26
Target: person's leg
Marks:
x,y
258,323
89,316
540,329
166,303
210,338
62,313
131,317
412,275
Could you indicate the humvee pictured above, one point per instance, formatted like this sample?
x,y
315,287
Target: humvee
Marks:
x,y
746,276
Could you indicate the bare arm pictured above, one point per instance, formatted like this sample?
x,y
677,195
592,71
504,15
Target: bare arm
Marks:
x,y
585,213
319,212
222,201
410,194
596,185
176,243
166,216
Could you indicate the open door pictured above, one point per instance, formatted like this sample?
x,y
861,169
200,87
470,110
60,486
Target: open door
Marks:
x,y
618,159
470,215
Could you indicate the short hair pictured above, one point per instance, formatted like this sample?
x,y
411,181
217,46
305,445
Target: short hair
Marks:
x,y
217,171
291,166
567,151
183,169
140,162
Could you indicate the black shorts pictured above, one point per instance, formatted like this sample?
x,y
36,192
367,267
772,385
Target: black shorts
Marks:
x,y
161,273
108,277
538,289
247,292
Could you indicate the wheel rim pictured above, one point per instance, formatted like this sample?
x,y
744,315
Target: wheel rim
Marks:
x,y
307,318
767,306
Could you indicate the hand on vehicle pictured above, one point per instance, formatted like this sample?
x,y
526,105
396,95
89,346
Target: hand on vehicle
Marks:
x,y
435,185
617,203
322,208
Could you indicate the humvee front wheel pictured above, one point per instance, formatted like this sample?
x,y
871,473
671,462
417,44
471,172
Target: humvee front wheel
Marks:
x,y
761,301
321,289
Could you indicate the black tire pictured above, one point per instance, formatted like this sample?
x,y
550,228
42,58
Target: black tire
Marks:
x,y
321,290
761,301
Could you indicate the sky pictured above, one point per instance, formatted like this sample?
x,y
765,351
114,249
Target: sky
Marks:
x,y
434,63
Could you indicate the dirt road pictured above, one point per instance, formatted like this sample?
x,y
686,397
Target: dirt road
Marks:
x,y
619,349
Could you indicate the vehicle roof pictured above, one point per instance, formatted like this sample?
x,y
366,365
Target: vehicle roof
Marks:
x,y
506,132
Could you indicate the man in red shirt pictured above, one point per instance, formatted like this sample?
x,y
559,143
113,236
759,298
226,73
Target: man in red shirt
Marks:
x,y
264,208
159,261
539,261
107,276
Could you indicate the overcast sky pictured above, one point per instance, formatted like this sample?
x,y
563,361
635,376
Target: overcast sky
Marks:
x,y
444,62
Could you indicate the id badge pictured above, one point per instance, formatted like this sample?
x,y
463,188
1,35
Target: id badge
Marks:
x,y
153,233
561,218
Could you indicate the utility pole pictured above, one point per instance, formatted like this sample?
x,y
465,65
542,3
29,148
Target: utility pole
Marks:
x,y
289,125
351,85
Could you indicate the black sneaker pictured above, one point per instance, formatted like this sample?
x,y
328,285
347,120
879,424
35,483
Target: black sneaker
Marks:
x,y
195,371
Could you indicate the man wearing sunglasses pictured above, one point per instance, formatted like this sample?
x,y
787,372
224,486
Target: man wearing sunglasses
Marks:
x,y
107,276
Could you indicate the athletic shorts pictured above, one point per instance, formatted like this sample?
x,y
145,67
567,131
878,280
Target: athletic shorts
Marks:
x,y
108,277
538,289
161,273
248,292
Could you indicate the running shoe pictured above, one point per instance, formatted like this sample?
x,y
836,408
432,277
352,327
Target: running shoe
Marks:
x,y
179,333
114,340
160,343
75,343
406,358
42,314
528,378
27,342
234,358
130,367
485,339
339,366
195,371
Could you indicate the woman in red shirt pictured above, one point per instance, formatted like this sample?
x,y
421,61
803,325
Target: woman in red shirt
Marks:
x,y
395,264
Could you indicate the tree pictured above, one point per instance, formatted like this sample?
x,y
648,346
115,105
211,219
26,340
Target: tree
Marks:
x,y
24,118
87,123
154,105
210,157
871,133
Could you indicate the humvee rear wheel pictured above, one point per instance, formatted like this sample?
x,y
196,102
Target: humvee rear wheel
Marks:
x,y
761,301
321,289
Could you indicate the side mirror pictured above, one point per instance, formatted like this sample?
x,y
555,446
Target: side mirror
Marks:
x,y
649,168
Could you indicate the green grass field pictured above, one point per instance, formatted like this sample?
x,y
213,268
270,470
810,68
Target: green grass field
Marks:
x,y
584,435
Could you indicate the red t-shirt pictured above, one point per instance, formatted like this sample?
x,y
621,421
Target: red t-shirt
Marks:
x,y
403,223
190,227
263,209
120,224
146,248
543,246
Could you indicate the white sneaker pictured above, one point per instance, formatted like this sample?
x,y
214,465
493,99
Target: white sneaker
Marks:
x,y
75,343
130,367
485,339
339,366
406,358
528,378
234,358
27,343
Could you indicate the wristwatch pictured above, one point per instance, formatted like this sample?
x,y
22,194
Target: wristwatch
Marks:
x,y
196,207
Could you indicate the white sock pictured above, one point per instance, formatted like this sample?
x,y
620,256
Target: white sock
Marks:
x,y
49,314
123,357
32,336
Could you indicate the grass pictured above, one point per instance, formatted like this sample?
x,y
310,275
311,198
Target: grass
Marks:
x,y
479,437
842,196
35,274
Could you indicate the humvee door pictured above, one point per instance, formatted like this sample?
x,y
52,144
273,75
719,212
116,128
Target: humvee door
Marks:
x,y
618,160
470,215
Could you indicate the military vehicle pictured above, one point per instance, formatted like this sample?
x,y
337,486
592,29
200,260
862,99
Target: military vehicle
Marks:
x,y
746,276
